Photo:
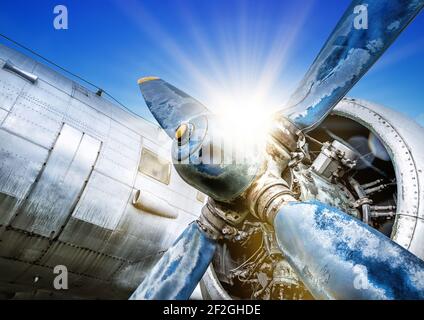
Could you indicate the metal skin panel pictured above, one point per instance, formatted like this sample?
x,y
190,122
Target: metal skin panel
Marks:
x,y
53,78
416,245
81,261
38,113
3,114
33,122
11,86
103,201
19,245
47,97
56,192
87,235
139,234
180,269
89,98
87,119
103,223
123,135
11,269
117,165
20,163
17,58
329,251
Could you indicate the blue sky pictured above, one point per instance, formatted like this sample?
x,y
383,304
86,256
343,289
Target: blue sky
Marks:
x,y
221,52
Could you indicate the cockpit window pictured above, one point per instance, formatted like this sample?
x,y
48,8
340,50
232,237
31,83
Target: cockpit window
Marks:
x,y
154,166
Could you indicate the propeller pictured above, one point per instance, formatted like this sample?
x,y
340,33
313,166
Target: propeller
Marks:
x,y
340,257
335,255
348,54
180,269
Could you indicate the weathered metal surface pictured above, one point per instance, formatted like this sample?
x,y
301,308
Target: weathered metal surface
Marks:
x,y
21,246
346,56
340,257
37,114
20,163
3,114
53,78
10,87
402,138
103,201
57,190
87,119
81,260
101,236
180,269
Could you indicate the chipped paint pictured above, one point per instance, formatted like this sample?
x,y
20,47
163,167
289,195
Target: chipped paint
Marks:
x,y
324,245
346,57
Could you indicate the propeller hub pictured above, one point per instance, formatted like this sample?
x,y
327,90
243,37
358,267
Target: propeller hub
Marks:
x,y
214,160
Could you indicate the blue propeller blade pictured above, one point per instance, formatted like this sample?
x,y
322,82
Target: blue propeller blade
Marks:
x,y
169,105
339,257
364,32
180,269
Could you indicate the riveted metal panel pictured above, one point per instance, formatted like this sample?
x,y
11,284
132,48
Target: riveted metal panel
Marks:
x,y
85,234
20,245
17,58
20,163
88,119
124,136
38,113
53,78
11,269
56,193
416,246
3,114
139,234
47,97
33,123
133,273
11,86
81,261
119,163
101,104
120,155
103,201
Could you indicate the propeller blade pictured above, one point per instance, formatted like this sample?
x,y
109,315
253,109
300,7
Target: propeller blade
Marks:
x,y
169,105
361,36
340,257
180,269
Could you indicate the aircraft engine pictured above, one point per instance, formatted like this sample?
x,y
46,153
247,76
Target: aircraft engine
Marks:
x,y
365,159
